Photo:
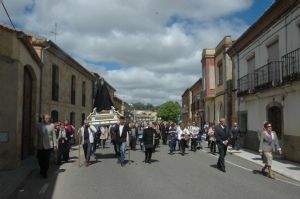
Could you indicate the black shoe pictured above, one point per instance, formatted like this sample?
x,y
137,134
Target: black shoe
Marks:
x,y
122,164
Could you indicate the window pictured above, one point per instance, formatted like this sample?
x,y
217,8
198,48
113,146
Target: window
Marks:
x,y
273,52
54,116
83,94
211,77
82,118
251,67
55,82
243,122
73,86
220,74
72,118
204,78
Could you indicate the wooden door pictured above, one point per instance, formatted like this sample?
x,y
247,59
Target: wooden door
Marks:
x,y
27,114
275,117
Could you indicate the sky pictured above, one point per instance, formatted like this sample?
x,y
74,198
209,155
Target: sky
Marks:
x,y
148,50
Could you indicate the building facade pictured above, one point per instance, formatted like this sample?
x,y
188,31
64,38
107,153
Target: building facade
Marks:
x,y
223,84
208,83
186,111
266,68
20,69
145,116
67,87
197,106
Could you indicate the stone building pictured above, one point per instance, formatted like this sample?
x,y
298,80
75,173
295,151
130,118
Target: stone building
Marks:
x,y
145,116
208,83
20,72
67,87
186,111
197,106
223,84
266,68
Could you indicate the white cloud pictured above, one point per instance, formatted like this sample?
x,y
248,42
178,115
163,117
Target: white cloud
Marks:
x,y
158,43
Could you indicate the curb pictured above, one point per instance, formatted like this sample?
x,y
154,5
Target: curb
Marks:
x,y
261,164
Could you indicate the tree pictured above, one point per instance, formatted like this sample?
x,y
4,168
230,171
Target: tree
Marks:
x,y
169,111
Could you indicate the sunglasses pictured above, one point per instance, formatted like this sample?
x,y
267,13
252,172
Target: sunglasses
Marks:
x,y
269,126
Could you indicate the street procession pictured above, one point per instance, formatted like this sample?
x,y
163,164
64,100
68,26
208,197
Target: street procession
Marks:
x,y
149,99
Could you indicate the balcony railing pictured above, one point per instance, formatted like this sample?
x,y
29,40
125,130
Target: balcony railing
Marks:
x,y
268,75
243,82
291,66
263,77
272,74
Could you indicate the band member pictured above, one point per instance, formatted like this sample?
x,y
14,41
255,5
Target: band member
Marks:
x,y
121,131
172,138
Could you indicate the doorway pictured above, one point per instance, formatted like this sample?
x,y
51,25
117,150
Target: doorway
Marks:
x,y
27,114
275,117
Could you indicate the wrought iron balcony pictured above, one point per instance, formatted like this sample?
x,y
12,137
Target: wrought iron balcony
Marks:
x,y
272,74
263,77
243,83
268,75
291,66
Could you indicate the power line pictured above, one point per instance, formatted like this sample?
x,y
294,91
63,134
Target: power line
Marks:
x,y
7,14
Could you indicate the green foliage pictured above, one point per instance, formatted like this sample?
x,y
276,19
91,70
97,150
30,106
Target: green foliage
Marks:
x,y
168,111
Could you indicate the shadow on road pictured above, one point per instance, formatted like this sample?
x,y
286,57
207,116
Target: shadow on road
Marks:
x,y
105,156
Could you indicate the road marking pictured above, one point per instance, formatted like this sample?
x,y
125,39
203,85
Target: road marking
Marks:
x,y
250,170
44,188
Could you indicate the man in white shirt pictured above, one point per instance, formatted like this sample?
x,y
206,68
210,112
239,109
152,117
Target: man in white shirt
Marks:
x,y
121,131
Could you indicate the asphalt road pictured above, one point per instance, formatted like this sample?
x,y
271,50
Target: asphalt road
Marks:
x,y
169,176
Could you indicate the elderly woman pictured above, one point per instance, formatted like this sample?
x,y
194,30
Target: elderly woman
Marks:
x,y
268,144
212,138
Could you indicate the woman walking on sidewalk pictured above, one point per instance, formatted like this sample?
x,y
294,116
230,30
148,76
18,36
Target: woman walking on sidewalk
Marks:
x,y
268,144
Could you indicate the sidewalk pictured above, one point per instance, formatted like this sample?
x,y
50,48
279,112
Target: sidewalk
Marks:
x,y
283,167
11,179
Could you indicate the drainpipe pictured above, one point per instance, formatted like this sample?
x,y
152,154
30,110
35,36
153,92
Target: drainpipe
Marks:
x,y
41,81
238,85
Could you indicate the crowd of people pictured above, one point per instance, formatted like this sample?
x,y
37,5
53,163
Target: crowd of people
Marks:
x,y
59,138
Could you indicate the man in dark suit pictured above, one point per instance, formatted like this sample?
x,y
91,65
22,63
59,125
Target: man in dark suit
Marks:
x,y
235,136
148,136
222,138
121,132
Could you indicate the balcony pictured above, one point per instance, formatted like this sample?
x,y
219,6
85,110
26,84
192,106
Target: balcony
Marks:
x,y
268,75
243,83
273,74
291,66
